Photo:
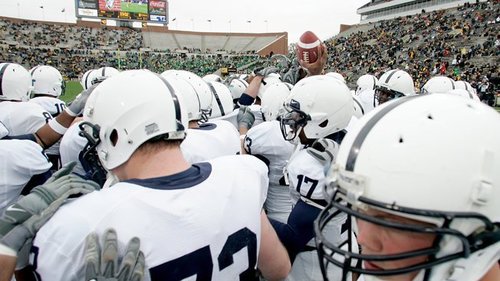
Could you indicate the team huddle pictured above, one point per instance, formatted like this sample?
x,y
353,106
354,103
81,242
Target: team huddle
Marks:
x,y
173,176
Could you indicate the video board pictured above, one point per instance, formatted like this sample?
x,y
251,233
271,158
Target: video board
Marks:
x,y
140,10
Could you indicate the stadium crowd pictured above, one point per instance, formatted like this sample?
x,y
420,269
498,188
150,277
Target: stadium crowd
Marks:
x,y
462,43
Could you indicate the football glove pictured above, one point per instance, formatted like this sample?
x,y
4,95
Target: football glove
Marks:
x,y
265,71
324,150
245,117
23,219
102,264
76,107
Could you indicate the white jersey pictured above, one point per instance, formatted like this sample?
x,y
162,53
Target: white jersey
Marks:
x,y
367,100
22,118
307,175
204,221
52,105
19,161
266,141
307,180
71,146
211,140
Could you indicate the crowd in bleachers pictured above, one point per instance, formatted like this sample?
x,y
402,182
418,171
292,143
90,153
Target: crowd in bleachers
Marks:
x,y
75,49
462,43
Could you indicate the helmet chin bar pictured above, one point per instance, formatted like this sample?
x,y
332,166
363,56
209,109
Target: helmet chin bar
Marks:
x,y
351,261
88,157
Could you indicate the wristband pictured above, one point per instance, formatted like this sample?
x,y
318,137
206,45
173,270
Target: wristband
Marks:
x,y
58,128
7,251
70,113
246,100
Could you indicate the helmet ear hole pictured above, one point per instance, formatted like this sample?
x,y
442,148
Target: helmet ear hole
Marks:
x,y
324,124
113,137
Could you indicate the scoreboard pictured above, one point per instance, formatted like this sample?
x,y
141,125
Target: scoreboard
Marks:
x,y
138,10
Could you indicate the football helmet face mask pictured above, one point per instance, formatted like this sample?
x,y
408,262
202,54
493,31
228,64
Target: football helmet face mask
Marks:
x,y
319,106
384,166
393,84
123,122
15,82
438,85
222,101
47,80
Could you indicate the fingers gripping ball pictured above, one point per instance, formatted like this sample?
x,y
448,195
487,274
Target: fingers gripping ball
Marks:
x,y
102,264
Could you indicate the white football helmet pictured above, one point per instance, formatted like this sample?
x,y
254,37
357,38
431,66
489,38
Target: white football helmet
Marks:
x,y
47,80
367,99
359,109
336,75
418,171
85,81
189,99
272,100
464,85
463,93
317,105
202,90
438,85
212,78
393,84
102,74
268,81
222,102
116,122
366,82
15,82
237,87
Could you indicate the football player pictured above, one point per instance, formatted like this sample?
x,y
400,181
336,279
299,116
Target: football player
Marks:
x,y
48,85
266,143
317,108
393,84
420,211
17,115
204,140
191,219
365,91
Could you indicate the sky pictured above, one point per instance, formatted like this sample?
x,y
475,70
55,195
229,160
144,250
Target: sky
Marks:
x,y
323,17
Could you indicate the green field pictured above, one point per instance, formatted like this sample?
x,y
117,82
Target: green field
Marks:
x,y
134,7
73,88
